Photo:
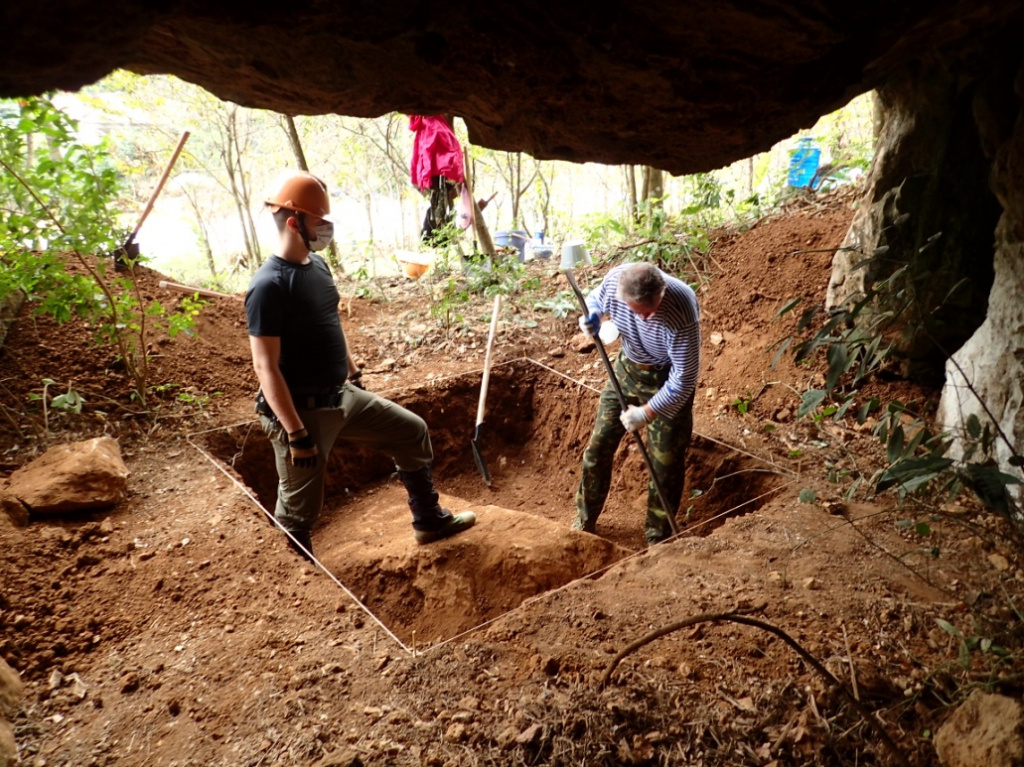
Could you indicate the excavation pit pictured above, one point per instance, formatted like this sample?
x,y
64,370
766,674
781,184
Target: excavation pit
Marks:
x,y
535,430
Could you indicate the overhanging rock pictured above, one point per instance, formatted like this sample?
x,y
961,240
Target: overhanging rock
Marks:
x,y
684,87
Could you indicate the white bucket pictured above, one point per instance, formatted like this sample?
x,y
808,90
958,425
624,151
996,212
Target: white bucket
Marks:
x,y
574,253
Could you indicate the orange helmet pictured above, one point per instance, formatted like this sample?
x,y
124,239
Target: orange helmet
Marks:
x,y
302,192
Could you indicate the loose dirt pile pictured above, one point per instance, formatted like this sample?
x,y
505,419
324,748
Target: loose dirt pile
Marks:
x,y
179,629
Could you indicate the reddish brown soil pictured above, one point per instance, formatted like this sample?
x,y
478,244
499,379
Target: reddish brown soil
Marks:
x,y
199,638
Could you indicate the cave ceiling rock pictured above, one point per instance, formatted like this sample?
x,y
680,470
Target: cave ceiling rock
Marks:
x,y
682,86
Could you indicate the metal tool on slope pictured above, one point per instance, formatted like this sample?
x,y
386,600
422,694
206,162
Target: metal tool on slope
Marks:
x,y
478,456
670,512
129,250
165,285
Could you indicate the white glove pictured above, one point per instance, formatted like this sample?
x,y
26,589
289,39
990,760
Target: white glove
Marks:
x,y
591,325
633,418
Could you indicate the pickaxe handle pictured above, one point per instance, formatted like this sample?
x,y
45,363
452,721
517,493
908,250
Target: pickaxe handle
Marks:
x,y
159,187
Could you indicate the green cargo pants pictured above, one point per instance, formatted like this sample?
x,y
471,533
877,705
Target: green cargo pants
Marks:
x,y
667,441
360,417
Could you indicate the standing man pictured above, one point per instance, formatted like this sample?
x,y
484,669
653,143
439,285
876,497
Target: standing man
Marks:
x,y
659,326
310,394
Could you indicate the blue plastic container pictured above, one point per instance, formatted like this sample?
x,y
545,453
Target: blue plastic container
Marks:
x,y
516,239
804,163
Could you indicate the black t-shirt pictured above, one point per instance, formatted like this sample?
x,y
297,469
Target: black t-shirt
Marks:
x,y
298,303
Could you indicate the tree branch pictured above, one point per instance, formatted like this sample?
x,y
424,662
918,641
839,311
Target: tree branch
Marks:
x,y
738,617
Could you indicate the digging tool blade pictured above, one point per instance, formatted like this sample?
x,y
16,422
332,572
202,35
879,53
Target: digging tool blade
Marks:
x,y
478,455
622,402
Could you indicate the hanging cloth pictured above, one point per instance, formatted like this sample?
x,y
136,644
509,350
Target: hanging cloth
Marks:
x,y
435,151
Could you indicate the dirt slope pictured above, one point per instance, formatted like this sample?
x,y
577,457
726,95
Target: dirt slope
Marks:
x,y
178,629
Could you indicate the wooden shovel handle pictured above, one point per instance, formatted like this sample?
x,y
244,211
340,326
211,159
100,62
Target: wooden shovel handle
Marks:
x,y
487,361
159,186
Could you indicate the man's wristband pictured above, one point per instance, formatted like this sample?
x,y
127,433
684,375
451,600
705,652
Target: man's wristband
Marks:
x,y
297,431
355,376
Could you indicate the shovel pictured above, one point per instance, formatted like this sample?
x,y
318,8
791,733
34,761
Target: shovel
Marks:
x,y
481,464
130,249
622,402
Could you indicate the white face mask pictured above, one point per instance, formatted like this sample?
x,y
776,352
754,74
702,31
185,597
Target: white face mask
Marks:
x,y
324,235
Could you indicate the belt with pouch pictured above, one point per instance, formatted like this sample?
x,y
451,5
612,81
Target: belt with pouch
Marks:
x,y
312,400
322,398
640,366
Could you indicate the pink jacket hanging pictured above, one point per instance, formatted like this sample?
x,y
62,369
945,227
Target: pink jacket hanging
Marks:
x,y
435,151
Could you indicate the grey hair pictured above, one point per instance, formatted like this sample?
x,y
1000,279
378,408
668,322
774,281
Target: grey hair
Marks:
x,y
641,284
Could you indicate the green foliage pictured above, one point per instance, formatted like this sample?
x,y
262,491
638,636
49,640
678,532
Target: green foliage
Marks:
x,y
184,398
807,495
974,643
57,203
562,305
56,196
70,401
859,340
676,245
742,404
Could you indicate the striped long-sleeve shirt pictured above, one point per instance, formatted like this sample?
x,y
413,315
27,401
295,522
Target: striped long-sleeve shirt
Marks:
x,y
670,336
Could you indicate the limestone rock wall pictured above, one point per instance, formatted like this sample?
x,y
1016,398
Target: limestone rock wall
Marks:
x,y
989,368
927,206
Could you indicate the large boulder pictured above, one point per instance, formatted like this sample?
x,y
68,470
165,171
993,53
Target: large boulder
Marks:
x,y
75,477
986,731
10,698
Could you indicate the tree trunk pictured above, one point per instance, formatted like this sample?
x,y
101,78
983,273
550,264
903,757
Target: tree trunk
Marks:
x,y
293,139
654,185
631,200
300,158
204,234
480,230
230,165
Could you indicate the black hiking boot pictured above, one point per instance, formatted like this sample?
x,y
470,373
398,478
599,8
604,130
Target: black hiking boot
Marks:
x,y
455,524
301,542
429,521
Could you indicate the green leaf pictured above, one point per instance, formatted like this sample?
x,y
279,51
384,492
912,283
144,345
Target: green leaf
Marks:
x,y
841,411
989,484
810,400
948,627
788,307
866,409
808,496
910,474
973,426
923,529
894,450
838,356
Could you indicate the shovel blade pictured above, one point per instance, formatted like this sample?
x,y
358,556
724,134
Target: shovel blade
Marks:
x,y
478,456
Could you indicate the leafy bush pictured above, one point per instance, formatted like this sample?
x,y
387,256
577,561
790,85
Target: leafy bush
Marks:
x,y
858,341
57,203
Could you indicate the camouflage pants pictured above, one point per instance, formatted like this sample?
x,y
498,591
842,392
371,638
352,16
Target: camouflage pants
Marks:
x,y
667,441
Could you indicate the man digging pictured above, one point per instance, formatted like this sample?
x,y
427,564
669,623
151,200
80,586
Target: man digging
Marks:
x,y
659,325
